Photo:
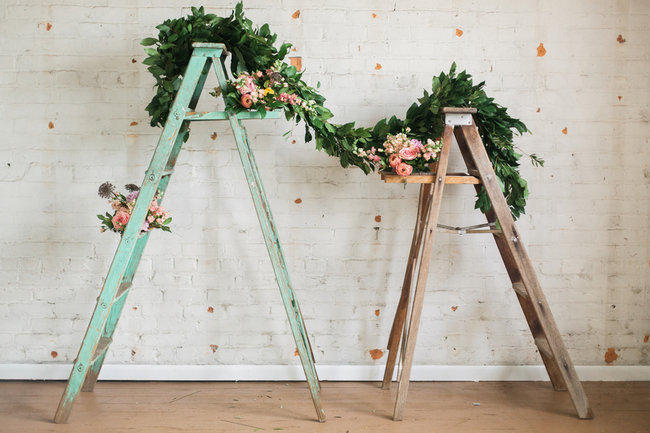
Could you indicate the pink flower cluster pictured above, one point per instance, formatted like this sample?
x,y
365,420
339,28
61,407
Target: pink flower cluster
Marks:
x,y
123,205
401,153
268,89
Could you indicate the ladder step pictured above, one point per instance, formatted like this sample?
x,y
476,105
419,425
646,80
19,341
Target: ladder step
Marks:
x,y
124,287
544,347
102,346
451,178
520,289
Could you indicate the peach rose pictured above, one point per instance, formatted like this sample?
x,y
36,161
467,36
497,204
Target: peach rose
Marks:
x,y
403,169
408,153
394,160
120,219
246,100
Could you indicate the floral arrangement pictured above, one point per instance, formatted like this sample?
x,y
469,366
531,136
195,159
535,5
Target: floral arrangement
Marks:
x,y
271,89
402,154
273,84
123,204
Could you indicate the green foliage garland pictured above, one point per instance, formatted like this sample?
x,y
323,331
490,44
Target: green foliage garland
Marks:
x,y
253,50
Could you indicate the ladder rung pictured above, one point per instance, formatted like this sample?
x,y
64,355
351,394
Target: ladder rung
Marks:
x,y
520,289
102,346
124,287
166,172
543,346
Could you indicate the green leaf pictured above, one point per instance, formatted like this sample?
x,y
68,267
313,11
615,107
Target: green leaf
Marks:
x,y
148,41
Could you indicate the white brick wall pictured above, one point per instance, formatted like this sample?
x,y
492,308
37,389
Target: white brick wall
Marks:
x,y
586,227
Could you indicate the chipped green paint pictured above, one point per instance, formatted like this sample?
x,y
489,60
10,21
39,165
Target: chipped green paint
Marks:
x,y
112,297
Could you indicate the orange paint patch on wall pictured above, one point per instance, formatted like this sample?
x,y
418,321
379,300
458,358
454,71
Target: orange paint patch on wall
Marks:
x,y
50,125
459,32
213,136
134,61
377,67
620,97
133,123
295,352
48,27
297,62
210,309
298,200
646,338
296,14
538,109
565,131
378,218
611,355
54,354
541,51
620,39
376,353
454,307
214,347
135,308
377,312
374,15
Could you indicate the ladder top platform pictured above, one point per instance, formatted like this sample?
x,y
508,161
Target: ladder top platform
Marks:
x,y
458,110
209,45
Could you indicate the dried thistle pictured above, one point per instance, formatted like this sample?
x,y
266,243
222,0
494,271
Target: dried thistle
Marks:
x,y
131,187
106,189
276,77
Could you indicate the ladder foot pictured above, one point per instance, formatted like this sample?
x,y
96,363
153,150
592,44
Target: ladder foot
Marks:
x,y
588,415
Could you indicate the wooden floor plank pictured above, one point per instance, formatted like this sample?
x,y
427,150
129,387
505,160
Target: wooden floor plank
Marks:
x,y
356,407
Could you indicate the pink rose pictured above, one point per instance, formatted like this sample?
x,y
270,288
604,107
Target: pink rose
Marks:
x,y
120,219
150,218
408,153
246,100
394,160
403,169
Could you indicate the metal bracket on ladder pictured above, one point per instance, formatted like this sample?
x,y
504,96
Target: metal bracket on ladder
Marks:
x,y
118,282
460,124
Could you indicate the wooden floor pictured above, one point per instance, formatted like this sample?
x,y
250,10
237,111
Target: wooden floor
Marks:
x,y
352,407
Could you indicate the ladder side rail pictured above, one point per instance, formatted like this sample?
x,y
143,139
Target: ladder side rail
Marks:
x,y
118,305
423,273
399,320
513,241
129,238
271,239
535,327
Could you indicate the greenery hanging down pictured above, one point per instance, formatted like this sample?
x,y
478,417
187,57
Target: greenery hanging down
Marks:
x,y
264,82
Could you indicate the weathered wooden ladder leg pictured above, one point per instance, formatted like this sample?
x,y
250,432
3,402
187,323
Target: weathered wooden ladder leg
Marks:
x,y
270,233
127,280
550,363
398,330
423,273
525,282
94,346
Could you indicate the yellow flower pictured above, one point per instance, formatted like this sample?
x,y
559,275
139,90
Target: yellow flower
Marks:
x,y
268,90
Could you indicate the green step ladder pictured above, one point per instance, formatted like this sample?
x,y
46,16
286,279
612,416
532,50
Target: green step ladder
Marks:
x,y
116,287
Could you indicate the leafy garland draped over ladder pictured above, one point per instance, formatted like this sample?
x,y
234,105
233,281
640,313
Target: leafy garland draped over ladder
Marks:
x,y
264,82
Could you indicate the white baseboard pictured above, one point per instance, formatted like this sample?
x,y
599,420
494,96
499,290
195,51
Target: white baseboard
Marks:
x,y
325,372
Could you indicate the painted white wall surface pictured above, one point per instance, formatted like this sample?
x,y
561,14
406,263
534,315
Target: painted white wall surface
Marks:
x,y
72,97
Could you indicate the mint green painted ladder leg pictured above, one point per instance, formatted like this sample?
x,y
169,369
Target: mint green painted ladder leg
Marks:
x,y
117,285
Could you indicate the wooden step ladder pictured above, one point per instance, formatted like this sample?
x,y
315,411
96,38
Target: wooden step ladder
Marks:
x,y
117,285
459,122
